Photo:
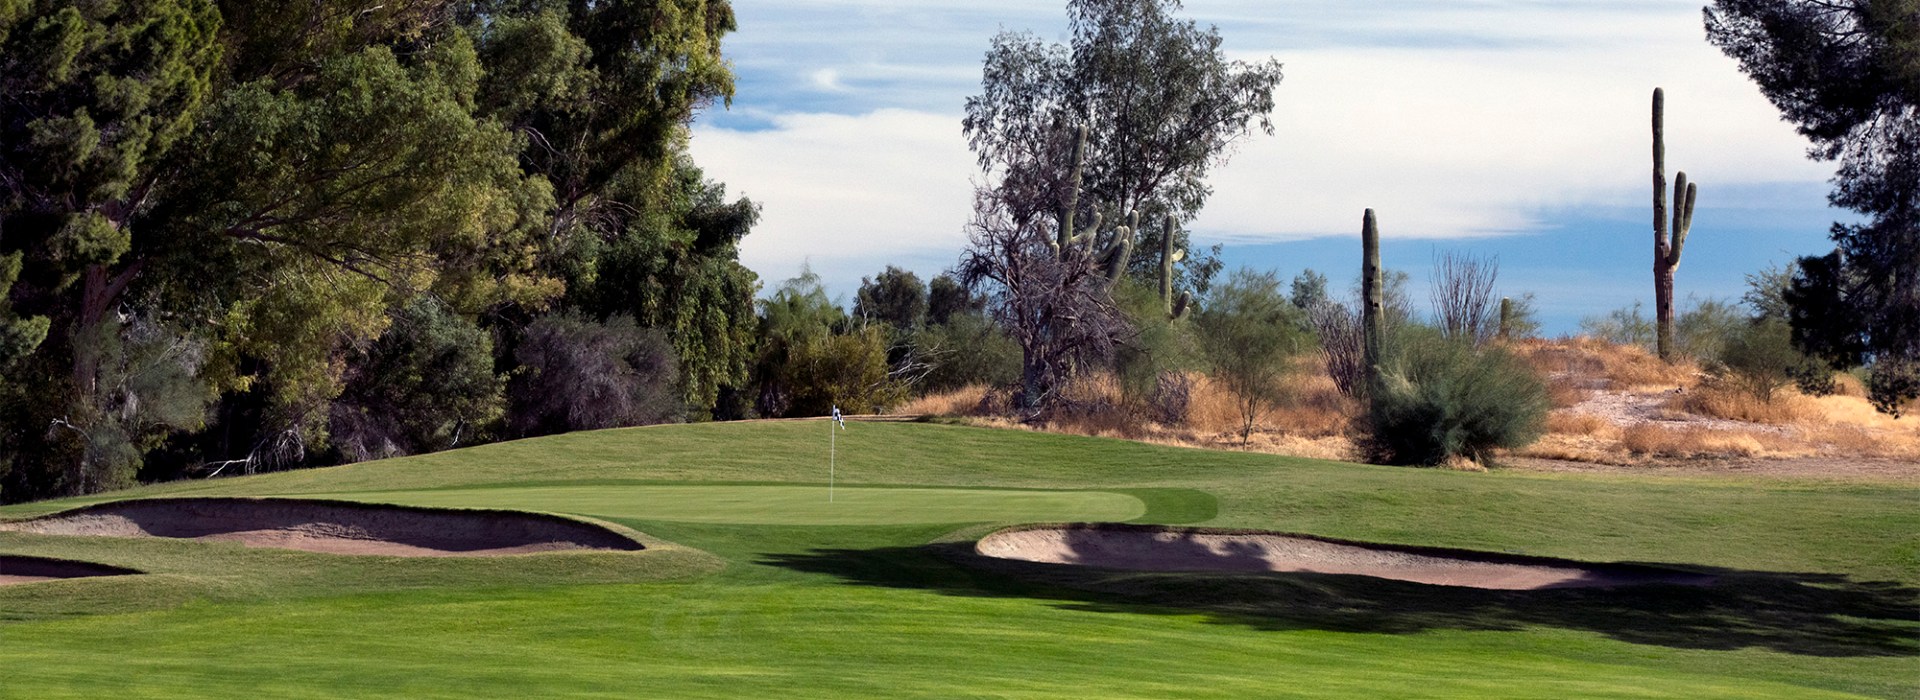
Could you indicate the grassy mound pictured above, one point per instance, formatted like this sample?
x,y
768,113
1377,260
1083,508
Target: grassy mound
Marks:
x,y
751,584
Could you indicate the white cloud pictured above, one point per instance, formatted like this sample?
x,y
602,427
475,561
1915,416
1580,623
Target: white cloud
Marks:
x,y
1450,119
849,193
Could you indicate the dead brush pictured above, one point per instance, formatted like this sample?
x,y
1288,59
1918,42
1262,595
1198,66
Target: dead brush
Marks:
x,y
964,401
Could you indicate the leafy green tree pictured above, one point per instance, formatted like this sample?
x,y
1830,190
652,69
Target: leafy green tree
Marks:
x,y
849,370
1251,336
947,298
427,384
277,180
18,336
1161,102
798,313
677,268
1847,74
895,297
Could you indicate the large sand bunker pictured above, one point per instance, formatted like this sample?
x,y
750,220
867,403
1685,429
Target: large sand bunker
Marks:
x,y
1137,548
23,569
334,527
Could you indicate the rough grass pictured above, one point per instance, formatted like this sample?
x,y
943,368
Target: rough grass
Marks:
x,y
1817,599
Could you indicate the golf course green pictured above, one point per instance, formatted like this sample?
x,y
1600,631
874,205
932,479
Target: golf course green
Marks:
x,y
753,584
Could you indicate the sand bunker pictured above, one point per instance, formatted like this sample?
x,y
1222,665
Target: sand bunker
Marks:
x,y
334,527
1136,548
22,569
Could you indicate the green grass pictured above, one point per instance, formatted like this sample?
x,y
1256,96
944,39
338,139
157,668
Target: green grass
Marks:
x,y
754,585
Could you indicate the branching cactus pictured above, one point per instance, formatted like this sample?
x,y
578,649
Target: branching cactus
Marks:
x,y
1066,237
1667,245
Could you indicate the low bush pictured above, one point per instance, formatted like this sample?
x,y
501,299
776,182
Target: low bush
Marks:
x,y
1442,400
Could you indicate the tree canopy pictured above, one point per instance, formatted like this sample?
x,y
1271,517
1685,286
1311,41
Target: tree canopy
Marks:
x,y
254,194
1161,103
1847,74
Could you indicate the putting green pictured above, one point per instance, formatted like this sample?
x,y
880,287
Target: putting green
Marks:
x,y
782,505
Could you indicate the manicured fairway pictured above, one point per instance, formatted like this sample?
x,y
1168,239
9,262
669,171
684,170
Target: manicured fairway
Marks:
x,y
782,505
754,587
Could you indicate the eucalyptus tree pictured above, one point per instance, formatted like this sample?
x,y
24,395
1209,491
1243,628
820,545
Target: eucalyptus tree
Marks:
x,y
1161,102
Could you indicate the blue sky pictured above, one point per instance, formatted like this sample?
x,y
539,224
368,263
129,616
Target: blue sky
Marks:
x,y
1510,128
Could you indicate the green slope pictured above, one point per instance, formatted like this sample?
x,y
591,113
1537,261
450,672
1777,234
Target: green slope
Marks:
x,y
756,585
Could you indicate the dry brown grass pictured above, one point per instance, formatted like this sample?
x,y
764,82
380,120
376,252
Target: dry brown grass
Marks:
x,y
1713,422
1716,400
964,401
1588,363
1571,423
1691,442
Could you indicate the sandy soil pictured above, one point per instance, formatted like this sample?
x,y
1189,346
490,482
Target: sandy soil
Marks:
x,y
23,569
1839,469
333,527
1160,549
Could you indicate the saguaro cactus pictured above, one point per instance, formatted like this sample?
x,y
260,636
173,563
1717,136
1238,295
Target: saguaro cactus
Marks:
x,y
1667,246
1065,236
1506,318
1373,294
1120,249
1169,254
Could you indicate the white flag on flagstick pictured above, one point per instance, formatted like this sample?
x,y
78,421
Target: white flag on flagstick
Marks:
x,y
832,448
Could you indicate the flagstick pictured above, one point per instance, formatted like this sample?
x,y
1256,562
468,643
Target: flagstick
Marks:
x,y
833,440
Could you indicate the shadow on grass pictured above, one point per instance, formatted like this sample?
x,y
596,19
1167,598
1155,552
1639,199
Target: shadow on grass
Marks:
x,y
1805,614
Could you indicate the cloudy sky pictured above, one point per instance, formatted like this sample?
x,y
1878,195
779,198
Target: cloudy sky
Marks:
x,y
1512,128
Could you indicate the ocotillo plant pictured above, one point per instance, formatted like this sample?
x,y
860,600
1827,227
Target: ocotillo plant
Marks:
x,y
1373,294
1169,255
1666,249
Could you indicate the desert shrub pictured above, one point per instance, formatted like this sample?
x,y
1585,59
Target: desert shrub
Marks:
x,y
1623,326
1443,400
966,349
576,374
1758,359
426,384
1151,364
1250,335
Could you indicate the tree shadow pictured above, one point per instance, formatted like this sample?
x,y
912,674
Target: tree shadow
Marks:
x,y
1797,613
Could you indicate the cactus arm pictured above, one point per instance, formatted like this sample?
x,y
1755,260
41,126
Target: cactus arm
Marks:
x,y
1067,210
1682,215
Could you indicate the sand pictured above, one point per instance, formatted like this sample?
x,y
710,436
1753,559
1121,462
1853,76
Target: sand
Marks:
x,y
1135,548
333,527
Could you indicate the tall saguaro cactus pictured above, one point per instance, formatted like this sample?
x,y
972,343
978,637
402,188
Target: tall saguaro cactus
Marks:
x,y
1667,245
1373,295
